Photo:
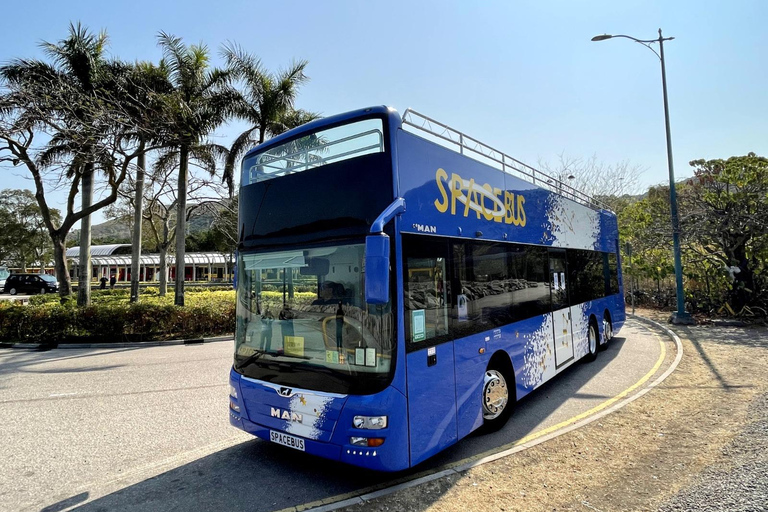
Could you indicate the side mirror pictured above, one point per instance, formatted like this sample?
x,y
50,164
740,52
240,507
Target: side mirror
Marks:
x,y
377,269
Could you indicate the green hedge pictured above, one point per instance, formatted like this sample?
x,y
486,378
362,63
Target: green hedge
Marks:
x,y
111,318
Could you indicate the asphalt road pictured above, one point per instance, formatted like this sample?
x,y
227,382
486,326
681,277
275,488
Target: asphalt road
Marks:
x,y
147,429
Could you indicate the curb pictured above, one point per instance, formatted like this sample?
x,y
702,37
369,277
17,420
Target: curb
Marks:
x,y
137,344
418,479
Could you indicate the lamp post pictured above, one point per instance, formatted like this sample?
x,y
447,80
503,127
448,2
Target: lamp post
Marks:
x,y
680,316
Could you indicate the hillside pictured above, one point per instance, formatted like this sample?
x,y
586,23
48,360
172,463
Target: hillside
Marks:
x,y
118,231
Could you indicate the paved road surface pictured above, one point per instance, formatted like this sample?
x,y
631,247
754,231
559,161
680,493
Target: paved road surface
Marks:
x,y
147,429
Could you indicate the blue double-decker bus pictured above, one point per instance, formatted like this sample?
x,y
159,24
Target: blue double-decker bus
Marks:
x,y
401,285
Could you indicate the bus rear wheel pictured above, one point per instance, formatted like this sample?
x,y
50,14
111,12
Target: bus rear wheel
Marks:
x,y
592,341
607,331
497,406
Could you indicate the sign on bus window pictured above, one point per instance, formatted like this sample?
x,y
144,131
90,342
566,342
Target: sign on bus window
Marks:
x,y
418,325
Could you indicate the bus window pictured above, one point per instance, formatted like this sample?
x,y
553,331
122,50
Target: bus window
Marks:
x,y
316,149
501,284
427,290
586,275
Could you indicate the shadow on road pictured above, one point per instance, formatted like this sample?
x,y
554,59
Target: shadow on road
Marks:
x,y
261,476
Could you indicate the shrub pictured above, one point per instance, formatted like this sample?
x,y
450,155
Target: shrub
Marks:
x,y
112,318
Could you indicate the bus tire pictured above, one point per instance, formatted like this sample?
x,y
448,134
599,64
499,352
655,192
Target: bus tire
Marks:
x,y
498,400
607,330
593,339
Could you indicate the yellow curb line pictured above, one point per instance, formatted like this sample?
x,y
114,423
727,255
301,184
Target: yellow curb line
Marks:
x,y
605,408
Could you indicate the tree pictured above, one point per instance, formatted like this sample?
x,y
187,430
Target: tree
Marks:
x,y
266,103
610,183
23,239
83,125
145,86
724,217
201,101
161,200
80,59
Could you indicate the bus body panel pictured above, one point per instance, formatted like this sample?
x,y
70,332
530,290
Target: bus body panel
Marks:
x,y
326,421
450,194
304,413
431,400
470,366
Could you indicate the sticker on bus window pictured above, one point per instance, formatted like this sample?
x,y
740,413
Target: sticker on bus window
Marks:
x,y
556,277
245,350
418,325
294,345
462,303
370,357
562,280
332,356
360,356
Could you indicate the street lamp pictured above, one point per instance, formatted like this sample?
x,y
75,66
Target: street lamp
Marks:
x,y
680,316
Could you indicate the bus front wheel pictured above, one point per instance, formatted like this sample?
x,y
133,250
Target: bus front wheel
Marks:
x,y
497,405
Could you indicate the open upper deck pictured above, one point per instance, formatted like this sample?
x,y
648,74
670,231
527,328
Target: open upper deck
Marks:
x,y
332,177
473,148
361,132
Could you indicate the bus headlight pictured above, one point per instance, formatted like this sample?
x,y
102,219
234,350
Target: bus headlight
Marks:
x,y
232,391
370,442
370,422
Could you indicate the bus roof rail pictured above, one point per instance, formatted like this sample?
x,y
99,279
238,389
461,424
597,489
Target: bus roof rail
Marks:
x,y
477,150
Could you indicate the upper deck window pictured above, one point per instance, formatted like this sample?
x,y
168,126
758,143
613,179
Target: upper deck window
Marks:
x,y
315,149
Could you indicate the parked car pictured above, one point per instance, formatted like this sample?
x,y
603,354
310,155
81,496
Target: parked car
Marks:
x,y
30,283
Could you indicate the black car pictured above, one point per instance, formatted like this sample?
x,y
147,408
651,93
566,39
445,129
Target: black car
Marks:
x,y
30,283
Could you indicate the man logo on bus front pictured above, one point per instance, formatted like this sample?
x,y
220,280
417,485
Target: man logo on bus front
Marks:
x,y
286,392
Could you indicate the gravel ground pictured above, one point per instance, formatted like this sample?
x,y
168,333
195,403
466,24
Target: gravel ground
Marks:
x,y
741,484
696,442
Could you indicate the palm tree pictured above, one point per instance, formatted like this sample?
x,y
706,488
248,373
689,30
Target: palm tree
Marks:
x,y
201,101
71,103
266,103
81,57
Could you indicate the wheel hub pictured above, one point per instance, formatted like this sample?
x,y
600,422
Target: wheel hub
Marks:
x,y
495,394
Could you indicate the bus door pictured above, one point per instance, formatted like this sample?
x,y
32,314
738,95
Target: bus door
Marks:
x,y
430,359
561,313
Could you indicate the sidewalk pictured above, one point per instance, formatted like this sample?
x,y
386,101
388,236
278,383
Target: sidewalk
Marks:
x,y
137,344
638,458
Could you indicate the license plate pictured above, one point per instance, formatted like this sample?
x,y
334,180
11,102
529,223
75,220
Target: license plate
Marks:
x,y
294,442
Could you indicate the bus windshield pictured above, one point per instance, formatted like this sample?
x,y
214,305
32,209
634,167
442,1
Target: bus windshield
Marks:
x,y
315,149
302,321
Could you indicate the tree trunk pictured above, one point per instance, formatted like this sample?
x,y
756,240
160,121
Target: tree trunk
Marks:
x,y
137,218
60,263
84,268
181,225
163,270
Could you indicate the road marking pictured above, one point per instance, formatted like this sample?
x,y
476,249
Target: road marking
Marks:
x,y
63,394
361,496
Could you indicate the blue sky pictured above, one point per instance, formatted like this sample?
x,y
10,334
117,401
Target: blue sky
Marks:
x,y
520,76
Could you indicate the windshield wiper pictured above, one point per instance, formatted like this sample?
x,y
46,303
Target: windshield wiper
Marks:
x,y
251,358
256,355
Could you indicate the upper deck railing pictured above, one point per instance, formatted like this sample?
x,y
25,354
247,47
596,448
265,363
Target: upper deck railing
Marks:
x,y
474,148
